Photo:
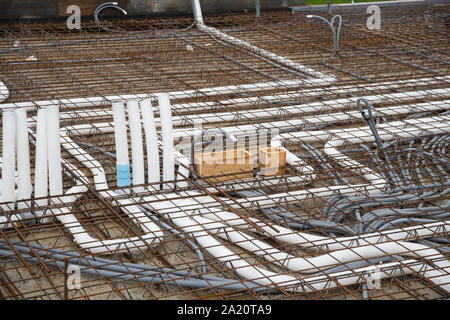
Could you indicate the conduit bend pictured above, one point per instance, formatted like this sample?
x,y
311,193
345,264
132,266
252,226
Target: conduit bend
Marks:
x,y
152,233
196,223
249,272
186,223
252,48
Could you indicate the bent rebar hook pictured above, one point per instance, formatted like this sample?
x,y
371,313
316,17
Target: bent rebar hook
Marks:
x,y
369,119
103,6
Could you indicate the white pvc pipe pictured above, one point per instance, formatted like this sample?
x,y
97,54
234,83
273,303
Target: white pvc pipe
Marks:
x,y
9,158
41,168
167,139
296,110
151,140
121,140
23,158
54,152
196,226
212,91
137,149
153,233
248,46
4,92
266,54
232,260
339,257
106,246
197,11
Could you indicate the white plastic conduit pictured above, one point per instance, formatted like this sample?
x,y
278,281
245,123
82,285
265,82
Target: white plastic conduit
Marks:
x,y
308,93
188,225
213,91
54,151
121,140
252,48
4,92
311,120
137,149
406,128
151,140
187,222
24,187
296,110
338,257
152,233
167,139
346,250
298,85
41,168
9,158
106,246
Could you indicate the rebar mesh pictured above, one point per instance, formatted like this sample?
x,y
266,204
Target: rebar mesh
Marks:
x,y
402,69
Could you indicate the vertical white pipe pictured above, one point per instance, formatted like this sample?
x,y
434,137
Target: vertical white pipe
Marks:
x,y
196,8
165,114
120,134
137,149
9,157
151,141
41,172
23,157
54,151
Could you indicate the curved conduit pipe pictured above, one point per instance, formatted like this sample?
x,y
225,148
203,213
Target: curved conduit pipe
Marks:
x,y
336,32
143,273
174,219
252,48
151,216
152,233
123,270
377,251
406,128
197,226
73,147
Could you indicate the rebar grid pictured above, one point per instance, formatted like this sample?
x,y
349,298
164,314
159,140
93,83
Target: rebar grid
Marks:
x,y
343,190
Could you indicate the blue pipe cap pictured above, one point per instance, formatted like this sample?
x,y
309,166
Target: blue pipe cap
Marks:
x,y
123,175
